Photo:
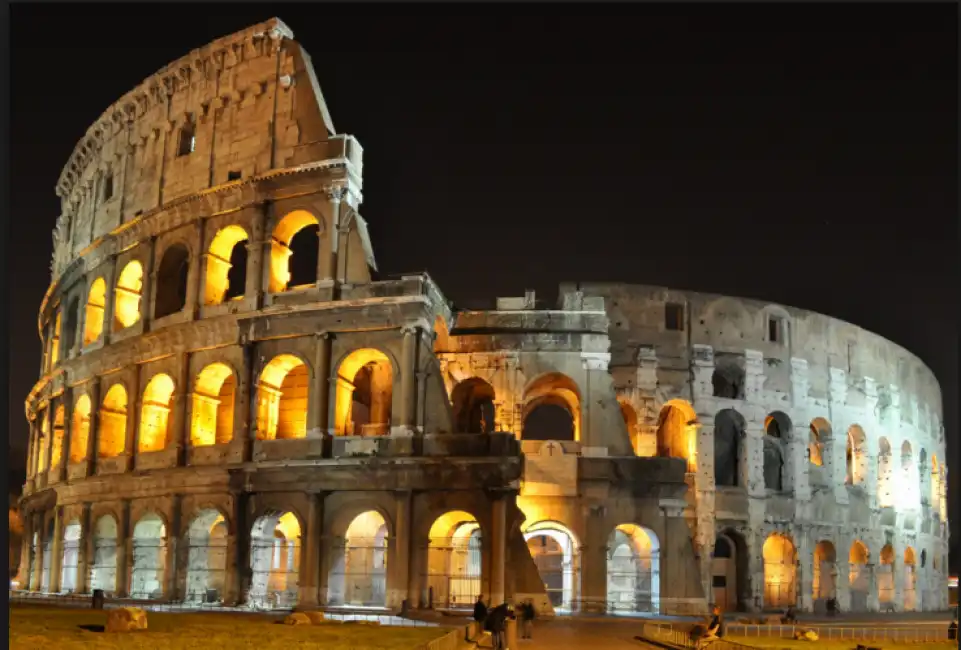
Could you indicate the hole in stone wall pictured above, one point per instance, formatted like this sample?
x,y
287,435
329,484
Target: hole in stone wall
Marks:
x,y
674,317
728,379
172,281
473,405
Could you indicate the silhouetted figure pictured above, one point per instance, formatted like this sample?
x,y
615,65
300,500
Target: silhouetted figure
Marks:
x,y
790,616
496,624
715,629
528,613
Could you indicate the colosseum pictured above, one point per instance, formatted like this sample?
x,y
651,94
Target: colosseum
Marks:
x,y
234,409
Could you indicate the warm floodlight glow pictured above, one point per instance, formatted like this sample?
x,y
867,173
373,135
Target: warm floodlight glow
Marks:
x,y
126,311
93,317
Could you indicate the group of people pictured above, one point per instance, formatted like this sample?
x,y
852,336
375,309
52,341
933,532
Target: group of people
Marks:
x,y
494,620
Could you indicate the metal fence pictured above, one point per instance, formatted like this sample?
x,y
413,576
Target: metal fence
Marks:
x,y
684,637
359,574
904,634
454,572
274,581
632,586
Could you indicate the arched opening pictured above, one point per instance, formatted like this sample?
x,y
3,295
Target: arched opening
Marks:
x,y
275,560
859,578
473,405
777,429
825,583
886,577
358,573
908,495
780,571
554,550
293,252
212,413
56,454
93,316
910,581
282,399
80,429
855,456
206,557
629,416
454,561
127,295
677,432
155,414
729,432
43,449
885,474
365,388
103,573
728,380
149,558
71,325
819,435
172,281
226,266
633,566
113,423
70,562
48,530
729,564
551,409
55,342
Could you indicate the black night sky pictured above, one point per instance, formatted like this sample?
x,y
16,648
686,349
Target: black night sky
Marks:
x,y
803,154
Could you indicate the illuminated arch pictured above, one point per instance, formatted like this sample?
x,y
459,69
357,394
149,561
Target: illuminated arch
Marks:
x,y
149,558
677,432
554,548
819,436
70,556
206,557
855,455
282,395
473,405
629,415
226,265
172,275
364,394
886,575
93,315
127,296
55,341
43,451
551,409
303,225
824,585
780,571
212,415
103,572
358,572
113,423
910,596
454,559
633,570
859,579
80,429
155,414
56,454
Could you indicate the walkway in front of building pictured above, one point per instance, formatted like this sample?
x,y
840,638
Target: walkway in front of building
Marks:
x,y
573,634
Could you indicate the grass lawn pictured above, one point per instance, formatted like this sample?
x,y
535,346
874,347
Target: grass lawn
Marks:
x,y
49,628
834,644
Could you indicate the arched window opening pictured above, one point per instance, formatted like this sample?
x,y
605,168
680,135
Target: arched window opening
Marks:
x,y
155,414
886,576
103,573
80,429
777,429
855,456
149,558
729,432
172,281
364,395
358,573
206,558
93,317
43,449
127,295
729,565
677,432
275,543
633,428
633,570
70,326
213,406
728,379
56,454
859,576
187,142
936,486
55,341
910,581
282,399
551,409
70,559
473,405
293,253
454,561
819,436
780,571
885,474
825,584
226,266
555,553
113,423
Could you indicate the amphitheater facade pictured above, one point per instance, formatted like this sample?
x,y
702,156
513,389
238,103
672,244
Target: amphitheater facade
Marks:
x,y
234,410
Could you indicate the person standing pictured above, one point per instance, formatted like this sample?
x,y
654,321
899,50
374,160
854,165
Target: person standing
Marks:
x,y
496,623
527,619
480,615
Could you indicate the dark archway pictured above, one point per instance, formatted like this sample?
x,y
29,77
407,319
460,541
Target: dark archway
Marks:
x,y
730,586
729,428
303,259
777,429
237,275
549,420
172,281
70,326
473,404
728,380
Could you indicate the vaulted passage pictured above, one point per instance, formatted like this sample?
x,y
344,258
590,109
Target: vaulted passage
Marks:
x,y
729,432
859,579
364,394
555,553
155,414
473,404
226,266
113,422
777,429
213,406
824,585
886,576
551,409
633,570
70,562
358,573
282,399
93,316
103,573
80,429
454,561
294,250
172,274
149,558
677,432
729,567
780,571
275,561
206,558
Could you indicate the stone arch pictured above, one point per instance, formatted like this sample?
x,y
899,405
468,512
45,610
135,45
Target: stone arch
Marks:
x,y
886,577
226,273
212,411
295,246
677,431
43,448
633,570
824,585
113,422
780,571
155,420
729,431
171,282
910,596
80,429
819,436
778,432
55,340
856,456
94,312
70,557
363,401
56,453
358,571
551,409
556,553
859,580
473,405
731,584
128,293
629,415
71,324
728,379
454,560
206,557
103,572
885,474
275,543
282,395
149,557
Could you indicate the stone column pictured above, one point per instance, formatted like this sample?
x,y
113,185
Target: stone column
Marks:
x,y
241,572
399,589
593,557
131,445
498,547
180,429
245,408
898,570
257,281
85,553
93,434
48,417
174,559
38,529
408,379
804,580
124,551
320,389
56,550
110,300
842,581
26,548
194,306
328,270
873,604
310,554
